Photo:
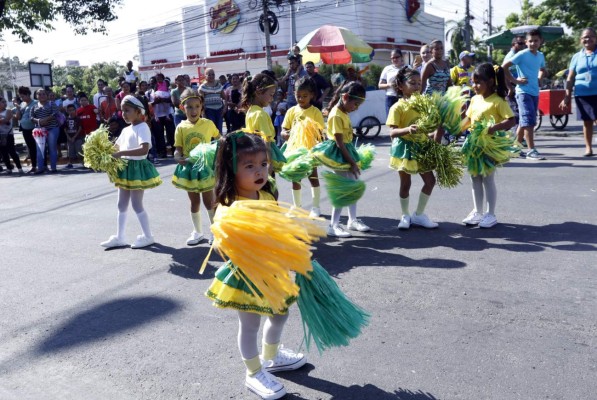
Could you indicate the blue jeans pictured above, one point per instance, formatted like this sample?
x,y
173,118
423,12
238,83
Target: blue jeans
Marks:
x,y
178,119
52,142
215,116
390,100
527,107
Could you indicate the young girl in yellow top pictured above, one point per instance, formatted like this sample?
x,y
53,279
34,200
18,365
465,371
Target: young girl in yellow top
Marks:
x,y
133,145
197,183
306,90
242,174
490,86
258,93
401,120
340,154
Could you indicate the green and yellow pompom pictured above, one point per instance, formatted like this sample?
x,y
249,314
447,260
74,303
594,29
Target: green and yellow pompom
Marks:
x,y
343,191
367,155
305,133
446,161
299,165
97,153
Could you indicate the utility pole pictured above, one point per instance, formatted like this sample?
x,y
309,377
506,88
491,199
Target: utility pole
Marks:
x,y
292,24
490,31
268,50
467,26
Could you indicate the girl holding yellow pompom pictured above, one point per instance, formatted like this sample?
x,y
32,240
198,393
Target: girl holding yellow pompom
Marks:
x,y
258,93
402,122
488,105
340,154
139,174
242,174
298,116
197,182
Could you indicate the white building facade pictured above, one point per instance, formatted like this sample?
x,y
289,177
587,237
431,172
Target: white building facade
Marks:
x,y
225,34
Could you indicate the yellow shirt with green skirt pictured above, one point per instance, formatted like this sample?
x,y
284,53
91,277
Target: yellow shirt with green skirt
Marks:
x,y
328,153
228,290
401,115
257,120
188,136
307,124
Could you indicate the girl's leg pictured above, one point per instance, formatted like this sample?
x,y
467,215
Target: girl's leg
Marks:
x,y
208,202
137,203
490,192
478,194
587,130
315,190
53,134
124,197
296,194
272,332
405,182
195,199
419,217
248,327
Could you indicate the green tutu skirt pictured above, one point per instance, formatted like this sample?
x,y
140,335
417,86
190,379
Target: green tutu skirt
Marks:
x,y
228,290
328,154
401,157
192,179
138,175
277,157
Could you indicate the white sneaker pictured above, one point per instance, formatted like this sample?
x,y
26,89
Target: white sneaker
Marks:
x,y
265,385
315,212
422,220
358,225
338,231
113,241
195,238
404,222
285,360
142,241
488,221
473,218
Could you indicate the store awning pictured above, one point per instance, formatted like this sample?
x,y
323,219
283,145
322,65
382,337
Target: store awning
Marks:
x,y
504,38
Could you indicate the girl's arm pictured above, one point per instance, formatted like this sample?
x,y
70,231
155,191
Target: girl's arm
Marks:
x,y
118,104
397,132
285,133
466,123
178,155
142,150
354,168
502,126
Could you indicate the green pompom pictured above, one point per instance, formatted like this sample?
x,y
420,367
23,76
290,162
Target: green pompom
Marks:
x,y
330,319
343,191
445,160
367,155
483,152
299,165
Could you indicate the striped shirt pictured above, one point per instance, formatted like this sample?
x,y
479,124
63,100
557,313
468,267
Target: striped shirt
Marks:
x,y
213,96
41,112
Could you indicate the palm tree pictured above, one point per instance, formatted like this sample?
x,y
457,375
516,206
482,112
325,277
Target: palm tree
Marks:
x,y
455,34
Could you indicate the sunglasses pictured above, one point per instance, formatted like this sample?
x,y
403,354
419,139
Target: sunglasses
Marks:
x,y
521,43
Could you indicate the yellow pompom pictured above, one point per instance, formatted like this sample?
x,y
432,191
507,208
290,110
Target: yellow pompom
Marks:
x,y
305,133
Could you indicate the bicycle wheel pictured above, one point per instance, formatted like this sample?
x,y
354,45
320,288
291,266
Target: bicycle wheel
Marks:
x,y
368,126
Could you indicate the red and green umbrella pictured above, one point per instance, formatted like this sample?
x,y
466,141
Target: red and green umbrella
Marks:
x,y
334,45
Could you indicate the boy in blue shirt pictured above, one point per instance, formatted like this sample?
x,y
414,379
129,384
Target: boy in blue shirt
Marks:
x,y
530,67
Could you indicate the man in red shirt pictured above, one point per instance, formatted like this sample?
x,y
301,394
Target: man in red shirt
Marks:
x,y
87,114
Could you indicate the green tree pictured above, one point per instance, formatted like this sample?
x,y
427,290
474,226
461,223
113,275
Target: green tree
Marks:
x,y
455,34
22,16
8,68
84,78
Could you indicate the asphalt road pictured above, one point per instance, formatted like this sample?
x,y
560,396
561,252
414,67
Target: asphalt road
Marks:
x,y
457,313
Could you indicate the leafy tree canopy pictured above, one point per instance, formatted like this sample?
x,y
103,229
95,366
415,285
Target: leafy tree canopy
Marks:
x,y
19,17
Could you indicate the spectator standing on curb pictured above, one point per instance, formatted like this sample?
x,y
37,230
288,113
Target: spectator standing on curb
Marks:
x,y
582,77
214,99
161,100
530,64
518,44
179,114
323,87
236,117
388,74
7,138
130,76
27,125
98,98
294,73
44,116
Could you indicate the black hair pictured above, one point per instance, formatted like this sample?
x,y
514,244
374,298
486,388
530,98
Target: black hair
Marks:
x,y
82,95
24,90
100,80
269,72
353,88
293,57
71,106
590,29
245,143
404,73
492,75
307,84
310,63
534,32
250,88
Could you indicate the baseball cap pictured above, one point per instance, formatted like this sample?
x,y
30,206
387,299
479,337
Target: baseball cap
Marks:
x,y
466,54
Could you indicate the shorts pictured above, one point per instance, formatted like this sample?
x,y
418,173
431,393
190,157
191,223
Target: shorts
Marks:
x,y
514,106
527,106
75,148
586,108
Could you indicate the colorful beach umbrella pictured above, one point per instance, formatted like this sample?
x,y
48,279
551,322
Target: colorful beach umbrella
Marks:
x,y
334,45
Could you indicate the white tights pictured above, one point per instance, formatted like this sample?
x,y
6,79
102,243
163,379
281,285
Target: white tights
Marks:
x,y
135,197
248,327
484,186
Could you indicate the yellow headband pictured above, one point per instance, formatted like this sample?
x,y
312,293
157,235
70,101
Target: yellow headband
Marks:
x,y
191,97
267,87
357,97
496,68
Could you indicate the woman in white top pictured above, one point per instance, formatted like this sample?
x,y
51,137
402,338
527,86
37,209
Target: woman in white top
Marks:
x,y
388,75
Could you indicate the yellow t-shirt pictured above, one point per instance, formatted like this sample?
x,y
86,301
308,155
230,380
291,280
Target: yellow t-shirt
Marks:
x,y
484,108
401,114
461,76
258,120
189,135
263,195
339,122
297,112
